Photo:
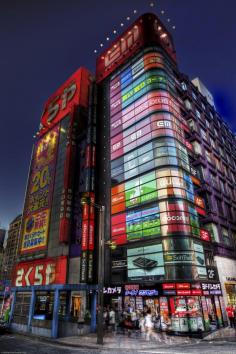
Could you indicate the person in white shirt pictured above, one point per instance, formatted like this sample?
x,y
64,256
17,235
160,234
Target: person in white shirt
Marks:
x,y
149,327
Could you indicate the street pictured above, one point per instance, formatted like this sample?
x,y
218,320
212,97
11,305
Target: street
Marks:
x,y
14,343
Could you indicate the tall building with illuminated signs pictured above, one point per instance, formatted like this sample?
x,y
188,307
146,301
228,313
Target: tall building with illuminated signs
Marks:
x,y
56,252
153,211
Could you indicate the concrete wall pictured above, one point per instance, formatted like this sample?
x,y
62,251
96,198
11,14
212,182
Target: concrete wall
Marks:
x,y
74,270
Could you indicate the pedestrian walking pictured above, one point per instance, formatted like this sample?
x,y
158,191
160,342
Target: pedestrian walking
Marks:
x,y
230,313
149,327
112,319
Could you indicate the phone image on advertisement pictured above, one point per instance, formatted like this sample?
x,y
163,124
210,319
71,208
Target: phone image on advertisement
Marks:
x,y
200,260
144,263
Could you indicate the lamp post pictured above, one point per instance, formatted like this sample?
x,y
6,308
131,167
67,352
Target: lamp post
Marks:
x,y
101,211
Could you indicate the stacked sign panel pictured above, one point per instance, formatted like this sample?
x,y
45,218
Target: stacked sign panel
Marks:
x,y
152,192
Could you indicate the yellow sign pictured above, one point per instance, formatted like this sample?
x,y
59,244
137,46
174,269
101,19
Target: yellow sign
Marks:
x,y
35,231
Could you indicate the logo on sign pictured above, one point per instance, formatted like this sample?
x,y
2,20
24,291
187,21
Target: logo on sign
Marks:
x,y
60,102
122,47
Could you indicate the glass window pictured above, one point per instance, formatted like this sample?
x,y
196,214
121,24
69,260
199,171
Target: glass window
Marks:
x,y
198,114
225,236
188,104
184,86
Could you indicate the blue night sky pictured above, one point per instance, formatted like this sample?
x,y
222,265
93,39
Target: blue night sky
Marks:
x,y
44,42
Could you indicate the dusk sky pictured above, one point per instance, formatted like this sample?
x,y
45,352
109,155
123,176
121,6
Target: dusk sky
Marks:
x,y
44,42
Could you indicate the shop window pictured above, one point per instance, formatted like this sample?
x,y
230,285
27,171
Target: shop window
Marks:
x,y
43,309
21,308
186,314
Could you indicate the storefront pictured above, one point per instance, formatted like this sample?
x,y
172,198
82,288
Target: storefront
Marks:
x,y
180,307
55,310
227,276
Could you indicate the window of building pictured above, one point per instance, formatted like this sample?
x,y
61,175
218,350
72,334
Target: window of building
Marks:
x,y
212,228
198,114
197,147
187,104
203,134
225,236
207,123
192,125
214,180
184,86
194,96
212,142
217,162
207,201
222,186
208,155
228,210
215,132
209,258
203,106
219,206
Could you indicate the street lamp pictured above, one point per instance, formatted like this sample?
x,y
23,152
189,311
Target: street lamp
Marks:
x,y
101,222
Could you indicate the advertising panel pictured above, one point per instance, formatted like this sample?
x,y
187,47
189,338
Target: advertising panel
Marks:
x,y
148,61
73,92
145,262
41,272
35,231
135,225
39,193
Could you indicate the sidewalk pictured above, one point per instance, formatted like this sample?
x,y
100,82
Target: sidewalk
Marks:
x,y
120,341
226,334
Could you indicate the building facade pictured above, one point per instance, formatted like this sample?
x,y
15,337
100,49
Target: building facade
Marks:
x,y
11,249
166,176
214,146
54,276
157,215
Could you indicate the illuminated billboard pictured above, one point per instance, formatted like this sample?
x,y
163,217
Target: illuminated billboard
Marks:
x,y
147,29
145,263
152,181
36,214
75,91
41,272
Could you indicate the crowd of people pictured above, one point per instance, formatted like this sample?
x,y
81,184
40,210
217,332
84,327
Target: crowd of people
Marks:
x,y
145,322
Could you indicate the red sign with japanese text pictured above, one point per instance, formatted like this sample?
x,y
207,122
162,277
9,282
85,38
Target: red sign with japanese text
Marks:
x,y
74,91
41,272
